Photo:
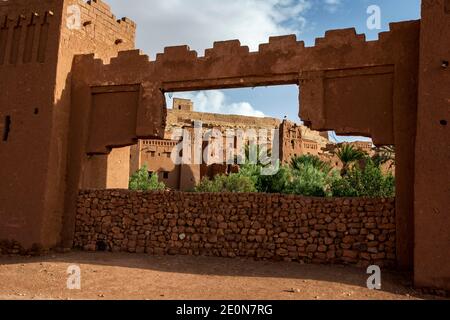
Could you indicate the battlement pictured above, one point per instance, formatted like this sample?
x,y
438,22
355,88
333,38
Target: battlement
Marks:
x,y
29,29
97,9
287,49
100,24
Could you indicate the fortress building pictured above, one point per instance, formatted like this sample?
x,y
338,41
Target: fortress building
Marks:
x,y
76,95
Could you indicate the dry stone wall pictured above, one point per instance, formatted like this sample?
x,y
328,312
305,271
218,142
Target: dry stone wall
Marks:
x,y
359,231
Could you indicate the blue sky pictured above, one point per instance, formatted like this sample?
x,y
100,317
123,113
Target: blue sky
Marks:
x,y
198,23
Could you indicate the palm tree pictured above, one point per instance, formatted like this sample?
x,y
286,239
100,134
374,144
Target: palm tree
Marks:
x,y
348,154
261,152
298,162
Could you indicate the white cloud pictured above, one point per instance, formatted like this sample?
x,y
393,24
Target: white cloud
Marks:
x,y
332,5
198,23
215,101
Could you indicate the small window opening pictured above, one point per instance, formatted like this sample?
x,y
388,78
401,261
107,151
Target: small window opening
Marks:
x,y
6,128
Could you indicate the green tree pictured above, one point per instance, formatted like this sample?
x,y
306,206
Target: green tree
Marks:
x,y
315,161
252,171
367,182
261,152
277,183
308,180
384,155
307,175
142,180
348,154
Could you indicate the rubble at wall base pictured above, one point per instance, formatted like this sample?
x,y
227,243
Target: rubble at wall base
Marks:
x,y
12,247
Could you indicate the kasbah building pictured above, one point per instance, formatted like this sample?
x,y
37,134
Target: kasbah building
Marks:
x,y
294,140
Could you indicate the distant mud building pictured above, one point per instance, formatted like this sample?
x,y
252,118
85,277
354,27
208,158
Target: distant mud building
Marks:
x,y
294,140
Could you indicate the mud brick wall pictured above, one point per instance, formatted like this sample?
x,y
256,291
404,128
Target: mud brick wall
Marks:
x,y
358,231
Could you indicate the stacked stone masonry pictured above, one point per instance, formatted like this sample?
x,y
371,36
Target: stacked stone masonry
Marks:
x,y
357,231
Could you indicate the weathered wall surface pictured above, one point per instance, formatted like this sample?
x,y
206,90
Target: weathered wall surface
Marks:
x,y
99,32
107,171
94,172
432,154
105,35
276,227
29,40
36,53
118,169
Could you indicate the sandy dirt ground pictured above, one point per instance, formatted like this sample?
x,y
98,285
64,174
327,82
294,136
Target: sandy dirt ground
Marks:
x,y
133,276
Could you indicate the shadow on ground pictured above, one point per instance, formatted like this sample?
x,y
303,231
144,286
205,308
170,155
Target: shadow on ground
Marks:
x,y
392,282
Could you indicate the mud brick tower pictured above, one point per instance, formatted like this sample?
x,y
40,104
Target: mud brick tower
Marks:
x,y
37,45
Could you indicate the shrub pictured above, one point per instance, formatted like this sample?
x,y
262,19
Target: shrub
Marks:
x,y
308,177
232,183
310,181
277,183
367,182
141,180
251,171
